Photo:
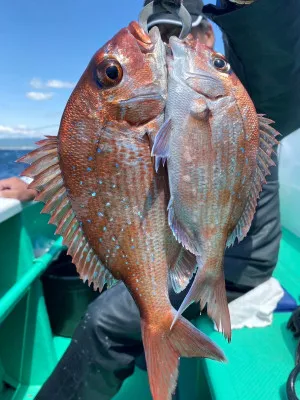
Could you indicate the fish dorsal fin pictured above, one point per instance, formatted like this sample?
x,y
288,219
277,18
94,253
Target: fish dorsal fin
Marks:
x,y
48,181
264,161
160,147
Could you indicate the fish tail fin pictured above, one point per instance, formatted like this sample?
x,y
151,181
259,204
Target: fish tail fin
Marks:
x,y
209,289
163,347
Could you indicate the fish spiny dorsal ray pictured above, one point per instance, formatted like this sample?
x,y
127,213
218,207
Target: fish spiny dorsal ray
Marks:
x,y
267,141
48,181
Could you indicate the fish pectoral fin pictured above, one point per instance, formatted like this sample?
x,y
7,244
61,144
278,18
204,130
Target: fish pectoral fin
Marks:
x,y
264,161
180,232
47,180
209,290
160,147
163,349
182,270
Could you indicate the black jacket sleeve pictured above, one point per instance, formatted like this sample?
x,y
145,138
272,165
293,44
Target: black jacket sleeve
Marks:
x,y
262,44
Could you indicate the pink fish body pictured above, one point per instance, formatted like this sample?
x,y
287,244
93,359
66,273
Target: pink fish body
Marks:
x,y
218,154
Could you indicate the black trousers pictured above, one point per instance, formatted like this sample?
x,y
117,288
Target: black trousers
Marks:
x,y
107,342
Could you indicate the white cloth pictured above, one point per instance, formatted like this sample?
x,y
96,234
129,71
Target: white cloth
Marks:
x,y
255,308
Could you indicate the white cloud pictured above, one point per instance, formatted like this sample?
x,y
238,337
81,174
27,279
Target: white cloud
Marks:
x,y
19,129
7,131
57,84
39,96
36,83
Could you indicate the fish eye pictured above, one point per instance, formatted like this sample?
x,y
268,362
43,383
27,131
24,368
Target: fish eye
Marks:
x,y
109,73
220,64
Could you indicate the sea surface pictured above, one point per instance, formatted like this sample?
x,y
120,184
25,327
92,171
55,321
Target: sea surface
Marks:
x,y
8,166
10,151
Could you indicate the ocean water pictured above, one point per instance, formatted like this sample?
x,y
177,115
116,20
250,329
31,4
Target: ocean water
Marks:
x,y
8,166
10,150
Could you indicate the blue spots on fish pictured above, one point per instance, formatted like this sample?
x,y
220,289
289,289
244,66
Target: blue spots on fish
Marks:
x,y
100,214
117,247
104,229
89,221
238,174
113,186
107,204
100,240
90,158
242,149
73,167
95,274
133,247
99,150
117,165
100,182
246,160
243,180
113,239
89,169
80,183
93,194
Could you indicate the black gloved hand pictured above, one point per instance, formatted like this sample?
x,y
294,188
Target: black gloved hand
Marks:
x,y
294,322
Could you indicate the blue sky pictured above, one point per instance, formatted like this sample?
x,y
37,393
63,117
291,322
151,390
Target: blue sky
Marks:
x,y
45,47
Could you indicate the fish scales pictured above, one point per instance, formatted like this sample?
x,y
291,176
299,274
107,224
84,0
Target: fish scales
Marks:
x,y
112,204
211,140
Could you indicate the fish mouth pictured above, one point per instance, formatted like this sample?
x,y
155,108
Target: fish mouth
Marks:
x,y
176,47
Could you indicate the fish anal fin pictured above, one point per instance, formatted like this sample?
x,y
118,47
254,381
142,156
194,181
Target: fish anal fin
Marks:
x,y
160,147
47,180
209,288
264,162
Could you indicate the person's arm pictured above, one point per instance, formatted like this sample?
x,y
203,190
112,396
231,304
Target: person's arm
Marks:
x,y
262,44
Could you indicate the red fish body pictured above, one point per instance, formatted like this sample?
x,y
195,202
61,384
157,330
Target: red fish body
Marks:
x,y
218,153
100,187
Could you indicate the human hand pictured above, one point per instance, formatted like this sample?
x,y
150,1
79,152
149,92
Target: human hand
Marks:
x,y
15,188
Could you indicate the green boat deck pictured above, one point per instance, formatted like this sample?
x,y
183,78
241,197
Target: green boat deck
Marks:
x,y
259,359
